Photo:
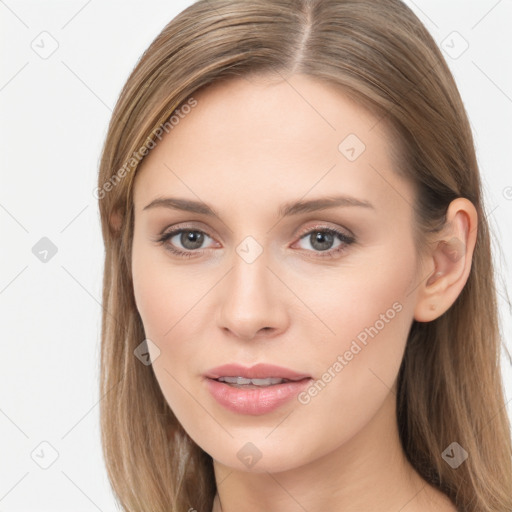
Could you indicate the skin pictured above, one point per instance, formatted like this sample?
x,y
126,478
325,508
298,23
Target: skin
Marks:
x,y
249,146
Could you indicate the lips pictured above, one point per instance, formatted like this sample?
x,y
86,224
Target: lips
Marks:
x,y
258,371
255,390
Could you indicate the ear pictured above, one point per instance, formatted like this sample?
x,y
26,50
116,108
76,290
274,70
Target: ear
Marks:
x,y
449,261
116,220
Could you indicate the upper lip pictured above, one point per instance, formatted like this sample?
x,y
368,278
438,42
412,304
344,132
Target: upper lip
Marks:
x,y
258,371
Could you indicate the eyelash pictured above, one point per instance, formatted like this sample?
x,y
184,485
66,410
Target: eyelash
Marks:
x,y
345,239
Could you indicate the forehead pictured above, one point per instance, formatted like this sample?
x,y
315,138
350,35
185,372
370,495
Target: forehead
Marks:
x,y
283,138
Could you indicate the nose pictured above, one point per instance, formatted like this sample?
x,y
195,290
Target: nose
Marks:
x,y
252,301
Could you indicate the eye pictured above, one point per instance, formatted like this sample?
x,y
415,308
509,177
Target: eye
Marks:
x,y
190,239
323,240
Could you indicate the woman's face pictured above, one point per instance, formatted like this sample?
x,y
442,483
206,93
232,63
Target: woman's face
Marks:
x,y
326,292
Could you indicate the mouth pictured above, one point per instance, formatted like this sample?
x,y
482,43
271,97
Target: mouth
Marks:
x,y
243,383
258,390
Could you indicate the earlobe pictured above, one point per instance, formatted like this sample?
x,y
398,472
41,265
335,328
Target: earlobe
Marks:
x,y
450,261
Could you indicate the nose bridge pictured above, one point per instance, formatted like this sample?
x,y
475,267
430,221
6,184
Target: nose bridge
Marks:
x,y
249,278
250,297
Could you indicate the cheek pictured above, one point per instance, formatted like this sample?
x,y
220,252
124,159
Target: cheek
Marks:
x,y
171,301
357,366
370,309
379,310
355,296
158,289
165,300
150,295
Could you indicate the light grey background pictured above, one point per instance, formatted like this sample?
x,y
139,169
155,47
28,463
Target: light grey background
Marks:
x,y
54,111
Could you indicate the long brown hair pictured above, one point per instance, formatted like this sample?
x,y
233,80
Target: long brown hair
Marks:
x,y
380,54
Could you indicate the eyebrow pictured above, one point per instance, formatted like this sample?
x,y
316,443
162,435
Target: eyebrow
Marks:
x,y
287,209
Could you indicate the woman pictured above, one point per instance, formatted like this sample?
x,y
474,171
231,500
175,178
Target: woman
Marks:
x,y
299,306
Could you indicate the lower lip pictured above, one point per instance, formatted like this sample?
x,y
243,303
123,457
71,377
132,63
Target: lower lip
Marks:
x,y
255,401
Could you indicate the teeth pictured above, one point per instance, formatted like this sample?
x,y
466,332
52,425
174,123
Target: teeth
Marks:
x,y
257,382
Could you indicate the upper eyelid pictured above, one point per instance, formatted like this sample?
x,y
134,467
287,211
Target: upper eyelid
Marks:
x,y
320,226
174,230
325,227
